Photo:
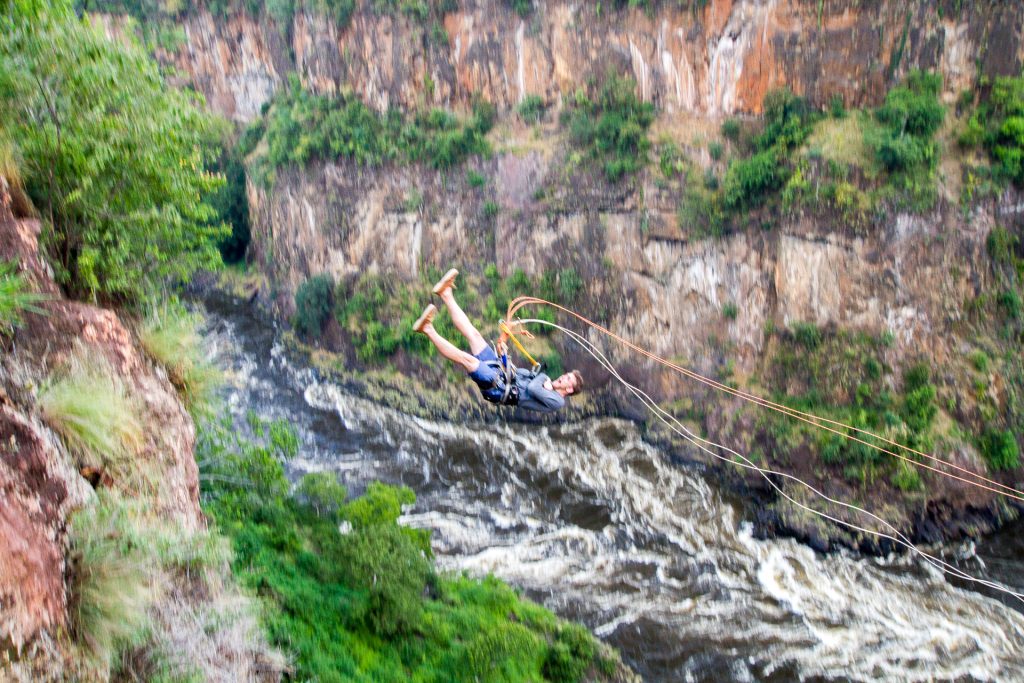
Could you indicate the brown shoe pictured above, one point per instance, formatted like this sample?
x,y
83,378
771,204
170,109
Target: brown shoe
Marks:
x,y
428,315
445,282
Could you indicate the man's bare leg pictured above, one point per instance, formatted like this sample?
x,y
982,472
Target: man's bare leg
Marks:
x,y
477,343
425,325
449,350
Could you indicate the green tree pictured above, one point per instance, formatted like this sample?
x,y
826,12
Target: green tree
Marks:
x,y
113,156
313,303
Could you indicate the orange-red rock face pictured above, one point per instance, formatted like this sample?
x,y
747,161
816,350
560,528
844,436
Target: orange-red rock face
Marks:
x,y
721,59
40,486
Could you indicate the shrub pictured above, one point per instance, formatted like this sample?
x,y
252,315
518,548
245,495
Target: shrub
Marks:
x,y
1001,245
910,117
919,407
613,127
322,492
532,108
125,184
110,587
747,181
979,360
716,150
1010,302
314,301
570,284
836,107
475,178
998,124
88,405
906,477
491,209
731,129
729,310
171,338
807,335
15,298
1000,449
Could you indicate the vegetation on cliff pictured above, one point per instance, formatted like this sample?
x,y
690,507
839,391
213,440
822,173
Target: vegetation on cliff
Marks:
x,y
302,127
77,106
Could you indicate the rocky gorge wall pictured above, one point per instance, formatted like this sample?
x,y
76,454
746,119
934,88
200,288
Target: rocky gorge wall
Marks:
x,y
908,276
719,59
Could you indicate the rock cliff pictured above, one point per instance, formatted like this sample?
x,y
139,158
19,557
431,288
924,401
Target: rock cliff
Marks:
x,y
717,57
43,485
908,277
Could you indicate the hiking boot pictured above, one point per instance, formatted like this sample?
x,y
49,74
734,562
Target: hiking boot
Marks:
x,y
428,315
445,282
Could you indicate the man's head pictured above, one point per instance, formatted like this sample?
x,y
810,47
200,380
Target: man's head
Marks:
x,y
569,383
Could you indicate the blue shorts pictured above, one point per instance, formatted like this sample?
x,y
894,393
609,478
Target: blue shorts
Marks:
x,y
485,374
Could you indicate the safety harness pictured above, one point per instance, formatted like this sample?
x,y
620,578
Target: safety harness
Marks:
x,y
504,389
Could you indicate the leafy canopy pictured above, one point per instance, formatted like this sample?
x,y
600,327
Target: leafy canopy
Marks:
x,y
112,156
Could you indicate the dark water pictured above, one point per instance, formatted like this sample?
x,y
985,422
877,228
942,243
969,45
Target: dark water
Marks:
x,y
600,527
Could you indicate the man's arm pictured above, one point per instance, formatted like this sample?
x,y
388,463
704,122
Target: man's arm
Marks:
x,y
540,398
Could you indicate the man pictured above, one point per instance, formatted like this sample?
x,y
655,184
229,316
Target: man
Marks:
x,y
531,391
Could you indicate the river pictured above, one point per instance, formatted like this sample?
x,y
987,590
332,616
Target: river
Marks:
x,y
601,527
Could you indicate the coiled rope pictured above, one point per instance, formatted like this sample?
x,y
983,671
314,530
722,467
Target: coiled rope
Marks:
x,y
707,446
839,428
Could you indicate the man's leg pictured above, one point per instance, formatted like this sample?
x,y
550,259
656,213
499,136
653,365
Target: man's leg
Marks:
x,y
449,350
477,343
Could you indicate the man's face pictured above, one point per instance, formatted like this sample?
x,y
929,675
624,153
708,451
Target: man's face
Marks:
x,y
565,385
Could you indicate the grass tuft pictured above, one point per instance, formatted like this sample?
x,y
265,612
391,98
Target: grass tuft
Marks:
x,y
111,588
88,405
172,339
15,298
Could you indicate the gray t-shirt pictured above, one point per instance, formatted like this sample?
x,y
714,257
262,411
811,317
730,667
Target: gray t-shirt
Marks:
x,y
532,394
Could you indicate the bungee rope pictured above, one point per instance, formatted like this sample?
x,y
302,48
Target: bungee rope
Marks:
x,y
838,428
706,445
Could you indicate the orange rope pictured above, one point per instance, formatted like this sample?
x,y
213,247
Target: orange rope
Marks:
x,y
809,418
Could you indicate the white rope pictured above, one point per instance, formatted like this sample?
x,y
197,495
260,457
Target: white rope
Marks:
x,y
701,443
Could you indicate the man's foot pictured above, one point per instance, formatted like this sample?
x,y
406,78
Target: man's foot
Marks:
x,y
428,315
446,282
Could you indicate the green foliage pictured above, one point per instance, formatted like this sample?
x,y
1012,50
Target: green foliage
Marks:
x,y
904,144
998,125
729,310
475,178
532,108
731,129
670,159
807,335
716,150
366,605
314,301
701,211
491,209
919,407
89,406
748,181
1001,245
838,376
112,156
836,107
303,127
1009,301
570,656
322,492
522,7
110,587
979,359
612,127
15,298
1000,449
231,204
171,337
